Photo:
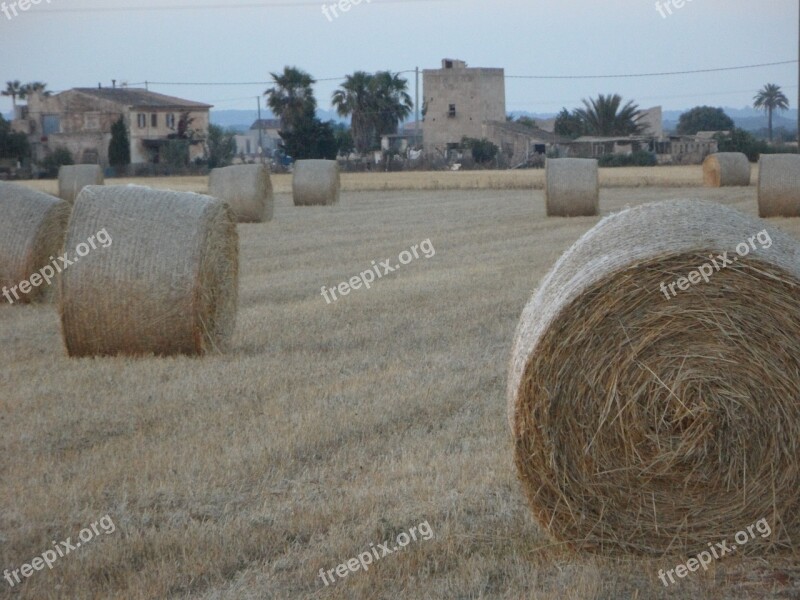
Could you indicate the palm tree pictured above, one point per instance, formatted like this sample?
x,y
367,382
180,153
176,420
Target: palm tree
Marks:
x,y
292,98
354,99
38,87
392,101
769,99
13,89
604,117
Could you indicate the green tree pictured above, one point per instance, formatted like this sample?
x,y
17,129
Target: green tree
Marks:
x,y
606,116
13,90
526,122
344,138
704,118
391,101
13,145
292,97
34,87
569,124
309,138
354,99
739,140
221,147
119,148
770,99
376,104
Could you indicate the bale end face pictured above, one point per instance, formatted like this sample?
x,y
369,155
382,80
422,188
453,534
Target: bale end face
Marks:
x,y
316,183
726,169
247,189
572,187
779,185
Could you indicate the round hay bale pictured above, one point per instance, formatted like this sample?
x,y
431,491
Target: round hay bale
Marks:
x,y
315,182
32,227
73,178
167,282
644,424
725,169
572,187
779,185
248,190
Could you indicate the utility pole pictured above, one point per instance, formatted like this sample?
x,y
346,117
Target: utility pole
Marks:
x,y
416,106
260,141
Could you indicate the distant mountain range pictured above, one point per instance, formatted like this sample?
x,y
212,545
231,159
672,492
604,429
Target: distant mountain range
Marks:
x,y
745,118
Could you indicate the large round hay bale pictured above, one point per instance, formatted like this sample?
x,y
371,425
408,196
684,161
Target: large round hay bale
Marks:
x,y
165,283
779,185
32,227
248,190
647,422
572,187
725,169
315,182
73,178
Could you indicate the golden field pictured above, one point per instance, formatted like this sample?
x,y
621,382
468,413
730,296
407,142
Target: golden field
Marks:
x,y
326,427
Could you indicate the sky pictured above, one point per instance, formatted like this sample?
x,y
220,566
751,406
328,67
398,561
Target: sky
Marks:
x,y
80,43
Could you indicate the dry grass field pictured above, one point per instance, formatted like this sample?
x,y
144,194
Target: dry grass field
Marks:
x,y
326,427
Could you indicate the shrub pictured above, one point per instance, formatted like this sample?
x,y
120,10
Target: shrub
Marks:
x,y
640,158
55,160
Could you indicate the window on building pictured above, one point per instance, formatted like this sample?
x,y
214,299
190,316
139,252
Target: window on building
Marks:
x,y
141,120
171,120
452,111
154,120
448,64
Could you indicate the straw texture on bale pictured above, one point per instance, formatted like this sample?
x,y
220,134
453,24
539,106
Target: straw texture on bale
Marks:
x,y
166,284
73,178
779,185
32,227
248,190
315,182
572,187
643,424
725,169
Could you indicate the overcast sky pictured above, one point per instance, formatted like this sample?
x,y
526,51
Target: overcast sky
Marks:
x,y
73,43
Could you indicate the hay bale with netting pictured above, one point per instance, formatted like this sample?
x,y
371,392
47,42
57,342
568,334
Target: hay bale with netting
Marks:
x,y
32,227
646,422
73,178
779,185
248,190
167,282
726,169
572,187
315,183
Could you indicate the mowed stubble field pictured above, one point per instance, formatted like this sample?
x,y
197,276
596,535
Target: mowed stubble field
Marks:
x,y
326,427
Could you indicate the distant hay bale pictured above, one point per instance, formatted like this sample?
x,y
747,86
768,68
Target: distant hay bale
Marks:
x,y
315,182
32,227
646,422
779,185
248,190
725,169
73,178
572,187
167,282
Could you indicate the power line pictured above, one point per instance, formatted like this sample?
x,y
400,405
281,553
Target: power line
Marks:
x,y
236,5
628,75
